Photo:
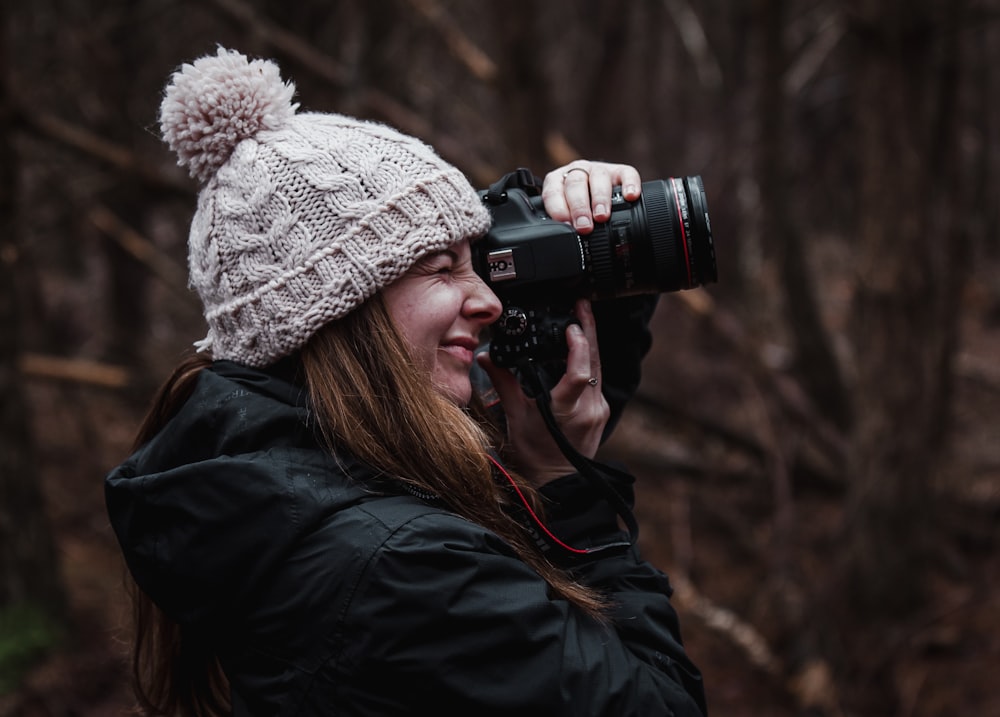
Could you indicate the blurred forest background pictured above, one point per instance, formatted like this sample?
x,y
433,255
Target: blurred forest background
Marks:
x,y
816,436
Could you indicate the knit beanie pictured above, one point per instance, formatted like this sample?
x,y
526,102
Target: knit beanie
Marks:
x,y
301,217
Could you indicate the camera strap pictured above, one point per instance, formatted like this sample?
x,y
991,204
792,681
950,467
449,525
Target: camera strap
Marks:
x,y
596,474
520,178
535,380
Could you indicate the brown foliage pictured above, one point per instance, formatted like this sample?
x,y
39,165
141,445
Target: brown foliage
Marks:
x,y
814,436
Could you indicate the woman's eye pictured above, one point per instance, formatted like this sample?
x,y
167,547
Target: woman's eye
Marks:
x,y
443,263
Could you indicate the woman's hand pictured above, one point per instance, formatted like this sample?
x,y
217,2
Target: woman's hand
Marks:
x,y
580,192
578,406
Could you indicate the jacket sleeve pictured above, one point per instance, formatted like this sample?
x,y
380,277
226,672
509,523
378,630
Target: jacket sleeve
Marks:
x,y
639,592
624,339
457,622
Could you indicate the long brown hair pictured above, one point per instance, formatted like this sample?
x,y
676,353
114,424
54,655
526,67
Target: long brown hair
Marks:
x,y
174,671
363,388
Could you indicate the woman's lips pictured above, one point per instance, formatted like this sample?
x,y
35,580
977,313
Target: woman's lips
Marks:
x,y
463,350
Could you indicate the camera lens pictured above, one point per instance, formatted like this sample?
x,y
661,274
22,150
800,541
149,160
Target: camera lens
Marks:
x,y
663,242
538,267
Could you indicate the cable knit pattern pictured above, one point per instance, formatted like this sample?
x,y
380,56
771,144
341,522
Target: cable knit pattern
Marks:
x,y
302,216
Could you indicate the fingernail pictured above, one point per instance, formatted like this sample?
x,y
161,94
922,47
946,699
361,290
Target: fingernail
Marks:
x,y
583,222
600,209
631,189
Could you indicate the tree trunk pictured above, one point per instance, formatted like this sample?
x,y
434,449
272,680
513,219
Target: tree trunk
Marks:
x,y
29,573
910,258
815,362
525,94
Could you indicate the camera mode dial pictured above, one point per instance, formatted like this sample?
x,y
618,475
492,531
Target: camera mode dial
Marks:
x,y
512,322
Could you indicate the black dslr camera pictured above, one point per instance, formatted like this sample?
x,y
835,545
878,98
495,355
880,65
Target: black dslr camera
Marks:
x,y
539,267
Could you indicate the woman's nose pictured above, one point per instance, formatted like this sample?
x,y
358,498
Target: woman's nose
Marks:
x,y
482,304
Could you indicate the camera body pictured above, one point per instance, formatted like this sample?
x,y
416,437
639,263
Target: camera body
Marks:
x,y
539,267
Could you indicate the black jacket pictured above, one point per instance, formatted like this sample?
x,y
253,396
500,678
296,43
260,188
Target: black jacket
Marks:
x,y
325,597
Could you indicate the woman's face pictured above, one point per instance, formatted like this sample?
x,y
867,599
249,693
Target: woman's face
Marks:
x,y
440,306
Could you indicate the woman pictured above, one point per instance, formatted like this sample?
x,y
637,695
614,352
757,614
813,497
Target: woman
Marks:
x,y
323,518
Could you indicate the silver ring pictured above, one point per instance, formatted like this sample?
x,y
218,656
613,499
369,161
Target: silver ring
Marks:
x,y
592,380
576,169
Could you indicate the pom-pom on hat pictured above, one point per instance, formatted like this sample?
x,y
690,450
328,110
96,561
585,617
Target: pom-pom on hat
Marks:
x,y
301,217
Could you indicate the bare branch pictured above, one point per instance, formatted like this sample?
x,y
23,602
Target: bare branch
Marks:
x,y
287,42
75,370
100,149
379,103
728,624
787,392
141,249
978,369
695,41
559,149
811,59
464,49
811,684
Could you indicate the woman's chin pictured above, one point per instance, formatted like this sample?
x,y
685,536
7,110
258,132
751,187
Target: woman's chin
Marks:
x,y
458,392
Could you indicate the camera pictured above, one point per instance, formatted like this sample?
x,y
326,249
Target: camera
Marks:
x,y
539,267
